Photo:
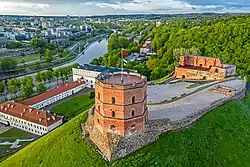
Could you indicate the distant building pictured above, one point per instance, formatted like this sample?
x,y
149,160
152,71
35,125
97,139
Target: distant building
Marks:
x,y
146,48
3,40
89,72
134,57
28,118
44,24
54,95
203,68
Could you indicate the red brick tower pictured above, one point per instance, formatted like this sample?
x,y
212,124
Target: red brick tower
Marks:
x,y
120,103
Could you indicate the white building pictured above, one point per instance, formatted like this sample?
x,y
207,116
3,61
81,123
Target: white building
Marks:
x,y
55,95
89,72
27,118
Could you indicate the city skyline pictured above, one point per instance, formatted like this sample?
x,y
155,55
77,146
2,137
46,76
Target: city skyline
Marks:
x,y
108,7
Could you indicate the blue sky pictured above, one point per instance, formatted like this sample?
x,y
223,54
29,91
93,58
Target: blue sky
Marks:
x,y
103,7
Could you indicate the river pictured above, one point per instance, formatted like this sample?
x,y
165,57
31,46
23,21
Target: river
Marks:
x,y
95,50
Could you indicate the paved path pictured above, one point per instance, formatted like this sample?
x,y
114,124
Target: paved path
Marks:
x,y
15,144
191,104
4,128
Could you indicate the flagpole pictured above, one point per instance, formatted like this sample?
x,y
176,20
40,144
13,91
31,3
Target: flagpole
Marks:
x,y
122,65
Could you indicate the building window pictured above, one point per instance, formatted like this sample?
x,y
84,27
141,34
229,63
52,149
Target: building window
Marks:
x,y
112,127
133,113
98,121
216,70
98,95
113,100
98,108
133,100
113,114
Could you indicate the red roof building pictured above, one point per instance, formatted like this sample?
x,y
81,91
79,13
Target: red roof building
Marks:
x,y
53,95
27,118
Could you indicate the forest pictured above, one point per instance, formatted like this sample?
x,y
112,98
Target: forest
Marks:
x,y
226,38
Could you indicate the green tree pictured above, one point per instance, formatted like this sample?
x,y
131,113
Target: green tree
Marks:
x,y
8,64
48,57
56,73
37,43
38,77
41,88
23,62
11,84
2,88
28,86
49,75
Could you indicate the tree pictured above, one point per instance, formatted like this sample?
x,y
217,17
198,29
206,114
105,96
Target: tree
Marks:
x,y
38,77
23,62
48,57
28,86
8,64
37,43
56,73
18,83
2,88
41,88
49,75
12,86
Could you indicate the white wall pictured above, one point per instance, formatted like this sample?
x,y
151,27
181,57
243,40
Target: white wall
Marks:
x,y
58,97
24,124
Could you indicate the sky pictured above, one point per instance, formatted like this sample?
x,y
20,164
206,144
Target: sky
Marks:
x,y
107,7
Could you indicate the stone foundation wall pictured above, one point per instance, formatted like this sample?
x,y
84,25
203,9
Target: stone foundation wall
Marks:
x,y
153,129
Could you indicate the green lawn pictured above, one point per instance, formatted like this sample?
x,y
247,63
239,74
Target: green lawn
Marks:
x,y
221,138
28,58
74,106
15,133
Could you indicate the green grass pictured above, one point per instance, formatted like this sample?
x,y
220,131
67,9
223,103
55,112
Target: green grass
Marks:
x,y
28,58
15,133
74,106
221,138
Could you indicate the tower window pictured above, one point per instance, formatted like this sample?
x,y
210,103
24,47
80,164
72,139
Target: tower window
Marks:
x,y
98,95
113,100
133,113
98,121
112,127
133,100
98,108
113,114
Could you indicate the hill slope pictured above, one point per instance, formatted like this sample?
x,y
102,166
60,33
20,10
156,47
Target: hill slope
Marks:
x,y
221,138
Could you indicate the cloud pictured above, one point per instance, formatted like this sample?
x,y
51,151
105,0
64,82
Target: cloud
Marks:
x,y
103,7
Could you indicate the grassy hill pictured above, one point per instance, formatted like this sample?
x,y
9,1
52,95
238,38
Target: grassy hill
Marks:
x,y
221,138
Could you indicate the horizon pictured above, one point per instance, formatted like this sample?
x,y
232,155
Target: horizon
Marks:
x,y
120,7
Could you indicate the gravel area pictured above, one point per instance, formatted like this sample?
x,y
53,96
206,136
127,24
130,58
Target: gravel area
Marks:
x,y
159,93
191,104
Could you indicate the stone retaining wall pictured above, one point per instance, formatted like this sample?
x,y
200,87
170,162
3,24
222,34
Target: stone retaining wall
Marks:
x,y
154,128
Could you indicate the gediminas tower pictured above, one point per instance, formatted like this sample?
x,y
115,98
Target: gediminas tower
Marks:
x,y
120,103
120,109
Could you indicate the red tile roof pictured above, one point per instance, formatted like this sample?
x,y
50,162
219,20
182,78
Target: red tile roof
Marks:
x,y
29,114
53,92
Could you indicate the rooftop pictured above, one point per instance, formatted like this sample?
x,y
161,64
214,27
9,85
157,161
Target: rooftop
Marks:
x,y
28,113
124,78
53,92
97,68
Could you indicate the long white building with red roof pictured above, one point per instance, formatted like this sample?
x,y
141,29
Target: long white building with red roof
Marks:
x,y
54,95
28,118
